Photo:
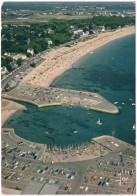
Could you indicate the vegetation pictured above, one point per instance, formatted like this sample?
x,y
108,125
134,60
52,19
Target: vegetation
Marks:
x,y
33,65
5,61
19,62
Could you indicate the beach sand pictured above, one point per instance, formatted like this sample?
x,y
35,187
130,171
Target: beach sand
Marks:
x,y
62,59
9,108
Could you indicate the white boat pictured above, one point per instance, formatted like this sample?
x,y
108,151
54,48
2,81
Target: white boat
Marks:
x,y
115,102
47,132
134,127
91,52
99,122
123,103
133,104
75,131
130,99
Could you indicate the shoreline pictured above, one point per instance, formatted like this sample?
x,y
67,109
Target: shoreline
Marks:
x,y
8,110
59,61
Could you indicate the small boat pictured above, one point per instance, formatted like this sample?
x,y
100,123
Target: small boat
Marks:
x,y
123,103
88,113
130,99
133,104
75,131
115,102
47,132
91,52
134,127
99,122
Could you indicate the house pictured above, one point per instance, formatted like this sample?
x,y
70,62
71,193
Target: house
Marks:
x,y
7,54
38,188
49,41
3,70
13,64
31,51
50,31
18,56
79,32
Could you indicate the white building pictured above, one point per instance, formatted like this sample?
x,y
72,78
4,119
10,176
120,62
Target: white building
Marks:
x,y
49,41
18,56
79,32
31,51
3,70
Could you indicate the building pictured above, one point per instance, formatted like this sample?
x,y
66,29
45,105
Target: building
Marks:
x,y
49,41
31,51
38,188
14,65
79,32
3,70
18,56
49,190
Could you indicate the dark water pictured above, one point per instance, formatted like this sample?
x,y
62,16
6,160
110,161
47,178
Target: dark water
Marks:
x,y
110,71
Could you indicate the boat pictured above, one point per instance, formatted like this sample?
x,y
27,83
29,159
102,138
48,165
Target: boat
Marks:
x,y
133,104
47,132
91,52
115,102
99,122
75,131
134,127
123,103
130,99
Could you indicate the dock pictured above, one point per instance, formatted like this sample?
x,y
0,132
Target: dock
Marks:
x,y
42,97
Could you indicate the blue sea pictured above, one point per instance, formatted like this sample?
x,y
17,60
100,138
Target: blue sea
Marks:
x,y
109,71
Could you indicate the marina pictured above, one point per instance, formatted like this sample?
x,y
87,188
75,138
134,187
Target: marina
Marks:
x,y
24,162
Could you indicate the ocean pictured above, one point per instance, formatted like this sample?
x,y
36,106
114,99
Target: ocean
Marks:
x,y
109,71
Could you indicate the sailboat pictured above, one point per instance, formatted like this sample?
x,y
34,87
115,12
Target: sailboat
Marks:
x,y
75,131
134,127
99,122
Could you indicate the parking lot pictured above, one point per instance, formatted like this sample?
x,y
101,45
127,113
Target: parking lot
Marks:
x,y
114,175
109,173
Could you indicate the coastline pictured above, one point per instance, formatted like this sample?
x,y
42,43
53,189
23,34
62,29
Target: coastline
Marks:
x,y
9,109
58,61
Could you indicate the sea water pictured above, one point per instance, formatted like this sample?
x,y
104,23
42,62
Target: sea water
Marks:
x,y
109,71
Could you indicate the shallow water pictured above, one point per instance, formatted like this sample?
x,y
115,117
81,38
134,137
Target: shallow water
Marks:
x,y
110,71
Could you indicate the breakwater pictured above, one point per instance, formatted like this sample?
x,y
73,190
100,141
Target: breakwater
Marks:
x,y
41,97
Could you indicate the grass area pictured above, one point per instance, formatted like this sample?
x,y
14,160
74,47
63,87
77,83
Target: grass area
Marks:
x,y
43,18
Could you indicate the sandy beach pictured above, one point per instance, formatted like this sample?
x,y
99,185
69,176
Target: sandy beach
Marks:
x,y
9,108
62,59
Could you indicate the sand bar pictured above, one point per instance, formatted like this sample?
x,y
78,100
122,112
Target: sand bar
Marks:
x,y
60,60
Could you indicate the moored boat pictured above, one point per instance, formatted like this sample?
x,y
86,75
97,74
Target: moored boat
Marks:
x,y
99,122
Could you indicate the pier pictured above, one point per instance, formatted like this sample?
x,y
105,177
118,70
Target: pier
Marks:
x,y
42,97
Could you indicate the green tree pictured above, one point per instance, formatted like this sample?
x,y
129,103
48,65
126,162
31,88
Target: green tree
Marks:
x,y
5,62
33,65
19,62
28,54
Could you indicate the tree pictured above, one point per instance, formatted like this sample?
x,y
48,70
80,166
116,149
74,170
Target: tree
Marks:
x,y
19,62
5,61
28,54
33,65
